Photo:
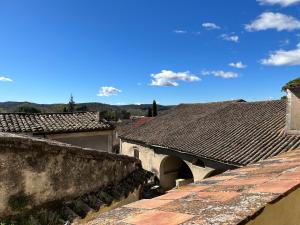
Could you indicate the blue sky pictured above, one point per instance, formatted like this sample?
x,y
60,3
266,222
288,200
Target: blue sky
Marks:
x,y
134,51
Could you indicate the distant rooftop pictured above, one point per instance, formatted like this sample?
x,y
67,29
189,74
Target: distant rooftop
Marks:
x,y
46,123
233,132
234,197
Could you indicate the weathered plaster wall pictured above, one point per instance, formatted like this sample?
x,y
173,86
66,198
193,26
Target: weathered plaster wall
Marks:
x,y
101,140
152,161
199,172
45,171
293,111
284,212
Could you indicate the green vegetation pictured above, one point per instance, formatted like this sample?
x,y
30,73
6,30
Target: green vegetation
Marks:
x,y
18,202
149,114
290,84
154,109
71,105
152,112
82,108
27,109
48,218
115,115
43,217
135,110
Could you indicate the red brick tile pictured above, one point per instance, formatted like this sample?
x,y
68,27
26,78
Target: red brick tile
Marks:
x,y
218,196
245,181
248,169
298,168
284,165
290,176
148,204
174,195
158,218
193,188
276,186
219,178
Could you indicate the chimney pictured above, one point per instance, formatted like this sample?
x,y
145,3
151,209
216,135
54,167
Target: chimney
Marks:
x,y
98,117
293,110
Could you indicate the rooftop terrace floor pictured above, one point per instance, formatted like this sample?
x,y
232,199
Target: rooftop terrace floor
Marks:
x,y
234,197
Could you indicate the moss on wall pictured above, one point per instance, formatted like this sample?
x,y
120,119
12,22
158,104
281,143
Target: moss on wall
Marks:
x,y
19,201
49,171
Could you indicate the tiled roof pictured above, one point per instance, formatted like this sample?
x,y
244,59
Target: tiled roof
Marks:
x,y
132,124
51,122
234,197
236,133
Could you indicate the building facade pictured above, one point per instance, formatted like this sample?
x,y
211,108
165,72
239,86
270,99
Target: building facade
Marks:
x,y
194,141
84,129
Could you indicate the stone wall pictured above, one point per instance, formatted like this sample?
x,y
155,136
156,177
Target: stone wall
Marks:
x,y
35,172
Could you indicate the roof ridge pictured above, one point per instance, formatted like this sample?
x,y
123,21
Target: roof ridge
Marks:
x,y
47,113
262,101
214,102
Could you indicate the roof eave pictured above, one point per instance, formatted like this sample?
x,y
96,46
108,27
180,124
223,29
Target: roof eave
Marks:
x,y
208,161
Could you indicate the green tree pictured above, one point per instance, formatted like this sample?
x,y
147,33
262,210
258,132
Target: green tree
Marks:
x,y
154,109
27,109
71,105
82,108
108,115
125,114
149,114
292,83
2,110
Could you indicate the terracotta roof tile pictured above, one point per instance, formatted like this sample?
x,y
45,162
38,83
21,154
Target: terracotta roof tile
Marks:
x,y
217,203
236,133
51,122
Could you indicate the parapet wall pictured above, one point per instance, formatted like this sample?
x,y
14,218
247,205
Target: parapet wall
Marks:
x,y
34,172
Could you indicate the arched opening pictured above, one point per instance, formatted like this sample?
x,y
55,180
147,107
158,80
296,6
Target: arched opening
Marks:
x,y
172,169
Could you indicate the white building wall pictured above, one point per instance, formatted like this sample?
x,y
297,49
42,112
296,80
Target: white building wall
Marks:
x,y
100,140
151,161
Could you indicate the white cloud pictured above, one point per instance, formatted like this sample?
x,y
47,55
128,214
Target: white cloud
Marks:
x,y
108,91
238,65
230,37
284,42
283,58
170,78
221,73
180,31
210,26
270,20
283,3
206,72
5,79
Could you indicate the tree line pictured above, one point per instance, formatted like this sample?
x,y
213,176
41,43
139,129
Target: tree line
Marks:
x,y
70,107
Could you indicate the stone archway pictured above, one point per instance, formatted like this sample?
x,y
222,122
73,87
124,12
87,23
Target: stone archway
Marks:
x,y
172,169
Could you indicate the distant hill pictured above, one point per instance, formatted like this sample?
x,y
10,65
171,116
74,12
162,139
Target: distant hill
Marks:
x,y
135,110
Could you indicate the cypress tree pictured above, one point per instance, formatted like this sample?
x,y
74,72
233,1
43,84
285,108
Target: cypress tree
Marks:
x,y
154,109
71,106
149,112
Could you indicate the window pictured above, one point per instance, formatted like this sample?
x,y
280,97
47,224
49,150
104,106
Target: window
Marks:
x,y
136,152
